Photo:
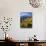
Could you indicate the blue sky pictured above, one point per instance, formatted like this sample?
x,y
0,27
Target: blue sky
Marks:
x,y
26,14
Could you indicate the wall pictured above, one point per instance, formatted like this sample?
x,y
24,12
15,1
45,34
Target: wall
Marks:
x,y
12,8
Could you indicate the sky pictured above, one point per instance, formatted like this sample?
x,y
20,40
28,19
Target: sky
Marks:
x,y
26,14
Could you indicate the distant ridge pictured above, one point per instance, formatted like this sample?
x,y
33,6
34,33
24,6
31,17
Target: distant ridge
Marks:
x,y
24,17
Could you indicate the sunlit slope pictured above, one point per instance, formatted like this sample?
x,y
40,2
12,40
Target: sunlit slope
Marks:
x,y
26,22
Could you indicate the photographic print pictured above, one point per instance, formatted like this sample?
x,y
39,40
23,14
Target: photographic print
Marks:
x,y
26,19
